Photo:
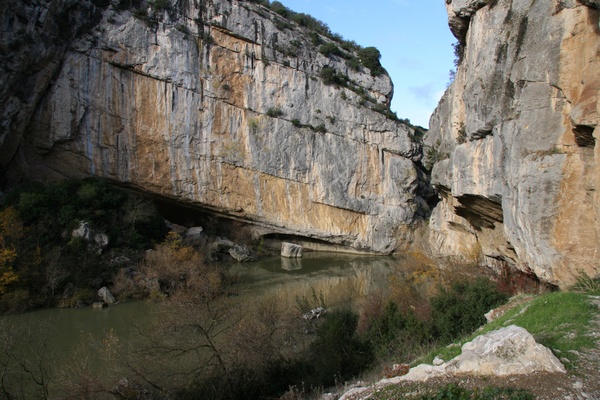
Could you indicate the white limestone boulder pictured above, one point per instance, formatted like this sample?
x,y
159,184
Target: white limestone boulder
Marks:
x,y
291,250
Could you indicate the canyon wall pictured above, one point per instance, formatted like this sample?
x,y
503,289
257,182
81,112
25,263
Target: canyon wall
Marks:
x,y
221,104
227,105
515,139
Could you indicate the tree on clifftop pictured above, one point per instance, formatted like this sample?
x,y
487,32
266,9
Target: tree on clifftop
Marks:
x,y
369,57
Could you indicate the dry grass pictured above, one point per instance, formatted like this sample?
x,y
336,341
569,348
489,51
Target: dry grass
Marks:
x,y
586,284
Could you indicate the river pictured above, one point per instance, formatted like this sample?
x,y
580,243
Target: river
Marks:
x,y
86,334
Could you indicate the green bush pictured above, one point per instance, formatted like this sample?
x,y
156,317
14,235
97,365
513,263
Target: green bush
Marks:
x,y
453,392
274,112
315,38
319,128
337,350
354,64
182,28
331,77
434,155
459,309
280,9
394,333
310,22
383,109
282,24
32,206
265,3
330,49
433,391
123,4
586,284
159,4
350,46
369,57
328,75
141,13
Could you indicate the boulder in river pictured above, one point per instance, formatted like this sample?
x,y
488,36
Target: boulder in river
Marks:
x,y
291,250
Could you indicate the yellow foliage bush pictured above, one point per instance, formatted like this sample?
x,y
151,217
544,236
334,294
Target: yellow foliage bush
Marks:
x,y
7,278
11,226
179,267
11,230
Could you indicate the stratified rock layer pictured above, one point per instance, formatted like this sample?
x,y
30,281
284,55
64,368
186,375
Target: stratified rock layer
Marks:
x,y
216,103
516,135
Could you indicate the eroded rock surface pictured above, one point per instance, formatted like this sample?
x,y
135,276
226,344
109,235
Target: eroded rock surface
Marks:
x,y
216,103
515,139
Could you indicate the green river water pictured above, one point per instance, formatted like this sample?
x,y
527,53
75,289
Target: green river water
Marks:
x,y
340,279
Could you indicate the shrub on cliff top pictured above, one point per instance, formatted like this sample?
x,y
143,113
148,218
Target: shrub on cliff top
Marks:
x,y
369,57
330,49
280,9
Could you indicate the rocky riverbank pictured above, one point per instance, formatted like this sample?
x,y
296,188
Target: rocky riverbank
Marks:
x,y
507,357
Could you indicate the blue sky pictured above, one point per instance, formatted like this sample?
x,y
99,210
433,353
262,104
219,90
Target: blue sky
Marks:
x,y
412,36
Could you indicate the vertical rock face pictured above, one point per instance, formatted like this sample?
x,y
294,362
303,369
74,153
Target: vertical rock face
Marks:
x,y
217,103
35,37
515,138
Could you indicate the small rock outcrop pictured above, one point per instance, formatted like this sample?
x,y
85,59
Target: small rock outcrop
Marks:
x,y
106,295
195,233
315,313
85,232
219,247
291,250
195,236
503,352
241,254
506,351
514,139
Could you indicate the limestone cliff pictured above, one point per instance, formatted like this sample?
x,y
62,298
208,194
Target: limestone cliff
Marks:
x,y
220,103
515,138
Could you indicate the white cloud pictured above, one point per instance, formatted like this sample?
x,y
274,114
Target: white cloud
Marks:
x,y
426,93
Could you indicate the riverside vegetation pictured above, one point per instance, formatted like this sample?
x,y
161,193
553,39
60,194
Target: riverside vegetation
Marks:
x,y
44,265
204,344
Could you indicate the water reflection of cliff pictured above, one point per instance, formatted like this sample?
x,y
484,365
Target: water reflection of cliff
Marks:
x,y
340,279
